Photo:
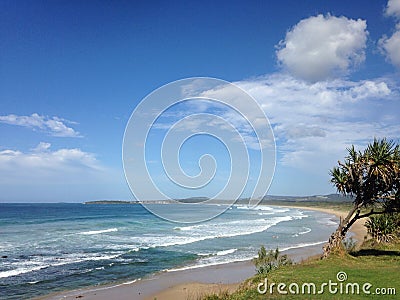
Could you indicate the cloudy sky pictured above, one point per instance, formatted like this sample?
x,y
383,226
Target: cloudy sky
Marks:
x,y
326,74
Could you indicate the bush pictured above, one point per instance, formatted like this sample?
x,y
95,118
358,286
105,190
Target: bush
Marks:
x,y
266,262
349,245
383,228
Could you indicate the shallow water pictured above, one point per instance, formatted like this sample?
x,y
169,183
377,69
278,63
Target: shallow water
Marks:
x,y
52,247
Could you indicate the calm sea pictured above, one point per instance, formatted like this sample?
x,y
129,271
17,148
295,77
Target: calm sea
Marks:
x,y
46,248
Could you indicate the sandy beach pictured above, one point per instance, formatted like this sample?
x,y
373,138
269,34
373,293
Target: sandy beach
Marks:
x,y
193,283
358,229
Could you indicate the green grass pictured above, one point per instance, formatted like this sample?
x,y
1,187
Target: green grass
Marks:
x,y
377,265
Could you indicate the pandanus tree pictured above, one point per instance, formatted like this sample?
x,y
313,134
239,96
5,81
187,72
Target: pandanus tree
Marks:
x,y
372,178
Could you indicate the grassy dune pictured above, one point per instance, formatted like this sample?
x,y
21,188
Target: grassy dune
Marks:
x,y
377,265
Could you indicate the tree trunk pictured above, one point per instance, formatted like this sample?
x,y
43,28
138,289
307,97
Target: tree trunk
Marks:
x,y
335,240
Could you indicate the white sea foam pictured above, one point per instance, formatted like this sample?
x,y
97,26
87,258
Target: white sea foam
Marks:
x,y
218,253
226,252
260,207
328,221
265,213
79,259
42,263
220,260
281,210
302,245
130,282
114,286
305,231
209,263
22,270
91,232
207,231
204,254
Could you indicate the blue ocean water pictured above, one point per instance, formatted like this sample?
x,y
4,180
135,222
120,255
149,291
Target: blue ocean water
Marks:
x,y
46,248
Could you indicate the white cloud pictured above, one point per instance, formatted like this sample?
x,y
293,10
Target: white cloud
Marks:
x,y
44,163
315,122
66,174
393,8
323,117
43,175
322,47
42,147
368,89
390,47
54,126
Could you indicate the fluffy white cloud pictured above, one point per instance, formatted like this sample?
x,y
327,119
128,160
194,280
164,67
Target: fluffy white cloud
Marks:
x,y
66,174
315,122
393,8
42,162
42,147
43,175
323,47
367,89
54,126
390,46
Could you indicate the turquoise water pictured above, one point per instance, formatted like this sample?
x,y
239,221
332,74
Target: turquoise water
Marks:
x,y
51,247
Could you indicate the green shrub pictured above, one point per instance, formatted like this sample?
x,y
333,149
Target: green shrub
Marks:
x,y
349,245
383,228
268,261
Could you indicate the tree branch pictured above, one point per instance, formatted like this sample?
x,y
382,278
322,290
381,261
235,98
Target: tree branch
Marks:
x,y
372,212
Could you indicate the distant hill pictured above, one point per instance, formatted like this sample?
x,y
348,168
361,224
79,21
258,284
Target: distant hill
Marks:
x,y
316,198
111,202
193,200
331,198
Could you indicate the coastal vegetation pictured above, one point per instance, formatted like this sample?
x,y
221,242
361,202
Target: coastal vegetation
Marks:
x,y
376,264
384,228
266,262
372,178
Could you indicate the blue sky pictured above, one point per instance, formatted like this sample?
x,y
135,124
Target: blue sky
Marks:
x,y
326,74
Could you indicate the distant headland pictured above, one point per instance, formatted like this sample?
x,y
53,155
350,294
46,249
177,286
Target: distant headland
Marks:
x,y
266,200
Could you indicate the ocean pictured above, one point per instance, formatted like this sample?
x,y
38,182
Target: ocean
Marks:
x,y
45,248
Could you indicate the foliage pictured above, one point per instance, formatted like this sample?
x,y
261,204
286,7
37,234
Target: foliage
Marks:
x,y
349,244
383,228
266,262
378,265
371,176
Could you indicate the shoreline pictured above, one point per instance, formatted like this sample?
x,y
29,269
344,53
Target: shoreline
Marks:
x,y
183,284
358,229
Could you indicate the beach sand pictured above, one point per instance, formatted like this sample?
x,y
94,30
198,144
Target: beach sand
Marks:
x,y
193,283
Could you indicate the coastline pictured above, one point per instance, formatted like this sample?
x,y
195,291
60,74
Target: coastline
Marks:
x,y
358,229
192,283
